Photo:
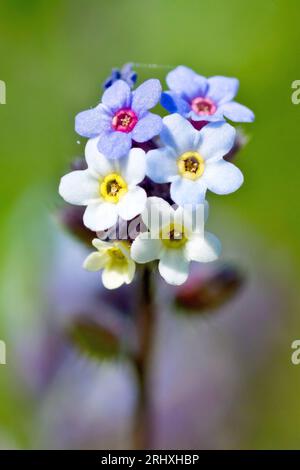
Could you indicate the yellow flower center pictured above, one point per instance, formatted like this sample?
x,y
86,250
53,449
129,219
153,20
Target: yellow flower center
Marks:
x,y
116,254
191,165
173,236
117,258
113,187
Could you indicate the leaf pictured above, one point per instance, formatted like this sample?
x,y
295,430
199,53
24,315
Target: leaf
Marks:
x,y
94,340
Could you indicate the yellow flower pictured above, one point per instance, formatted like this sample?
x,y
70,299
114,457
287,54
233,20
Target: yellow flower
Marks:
x,y
114,259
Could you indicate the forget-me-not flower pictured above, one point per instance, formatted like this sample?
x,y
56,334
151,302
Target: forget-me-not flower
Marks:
x,y
126,73
109,188
113,258
174,237
122,116
203,99
192,160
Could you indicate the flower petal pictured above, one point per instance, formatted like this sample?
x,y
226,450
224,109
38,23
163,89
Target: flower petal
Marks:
x,y
100,216
215,140
79,187
129,271
157,213
216,117
114,144
186,82
145,248
161,165
95,261
236,112
173,103
146,96
191,217
117,96
129,274
97,162
222,177
178,132
147,127
203,249
101,245
113,278
222,89
133,166
174,267
132,203
185,191
87,123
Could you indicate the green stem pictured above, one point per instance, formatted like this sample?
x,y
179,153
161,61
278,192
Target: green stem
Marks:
x,y
145,327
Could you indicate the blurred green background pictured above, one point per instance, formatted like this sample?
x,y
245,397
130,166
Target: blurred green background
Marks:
x,y
54,57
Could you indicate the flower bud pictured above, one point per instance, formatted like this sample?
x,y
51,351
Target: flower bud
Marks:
x,y
205,291
78,163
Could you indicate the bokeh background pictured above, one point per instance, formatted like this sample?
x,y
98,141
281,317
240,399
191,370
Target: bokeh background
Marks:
x,y
225,378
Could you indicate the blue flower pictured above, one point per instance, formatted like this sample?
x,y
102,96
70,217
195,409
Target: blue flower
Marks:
x,y
121,117
192,161
126,73
203,99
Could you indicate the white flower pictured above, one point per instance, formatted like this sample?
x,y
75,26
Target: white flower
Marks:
x,y
114,259
108,187
192,161
175,237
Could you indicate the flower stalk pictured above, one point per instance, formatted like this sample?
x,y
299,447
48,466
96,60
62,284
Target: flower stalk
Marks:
x,y
145,323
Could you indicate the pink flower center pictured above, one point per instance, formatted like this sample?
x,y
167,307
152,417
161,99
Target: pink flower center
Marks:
x,y
124,120
202,106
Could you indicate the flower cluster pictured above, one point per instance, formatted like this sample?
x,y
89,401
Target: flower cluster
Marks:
x,y
153,173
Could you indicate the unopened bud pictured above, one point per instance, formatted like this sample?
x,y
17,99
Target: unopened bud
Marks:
x,y
209,291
